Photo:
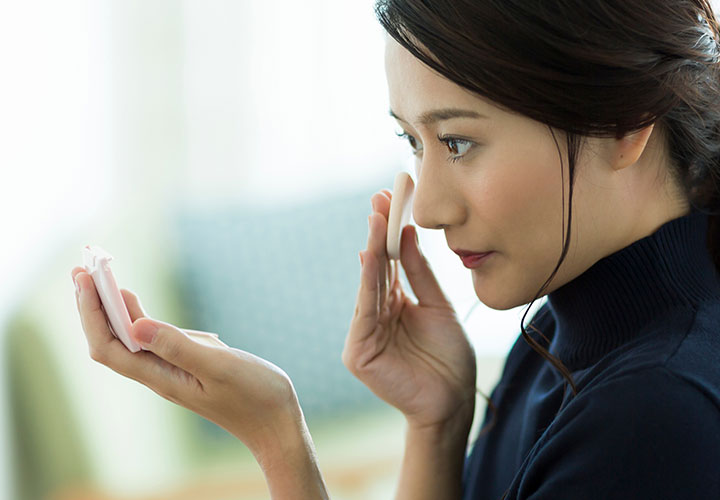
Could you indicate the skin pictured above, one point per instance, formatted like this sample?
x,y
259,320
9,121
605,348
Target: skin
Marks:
x,y
248,396
503,195
505,192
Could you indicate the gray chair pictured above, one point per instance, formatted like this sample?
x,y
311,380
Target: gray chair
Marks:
x,y
282,285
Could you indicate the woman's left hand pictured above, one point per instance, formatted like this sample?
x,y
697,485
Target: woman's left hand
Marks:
x,y
248,396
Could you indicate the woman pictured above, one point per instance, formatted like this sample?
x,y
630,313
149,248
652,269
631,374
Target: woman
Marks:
x,y
579,143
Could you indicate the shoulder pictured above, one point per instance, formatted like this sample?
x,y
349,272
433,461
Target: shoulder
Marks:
x,y
684,346
696,357
646,433
646,397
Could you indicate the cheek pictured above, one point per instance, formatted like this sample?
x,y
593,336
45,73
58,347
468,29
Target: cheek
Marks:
x,y
519,198
518,206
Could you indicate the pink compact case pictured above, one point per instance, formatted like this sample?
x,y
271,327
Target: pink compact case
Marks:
x,y
96,263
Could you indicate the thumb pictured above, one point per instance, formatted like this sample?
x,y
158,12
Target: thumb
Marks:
x,y
417,268
174,346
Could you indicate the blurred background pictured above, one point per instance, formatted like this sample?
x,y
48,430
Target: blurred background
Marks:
x,y
224,152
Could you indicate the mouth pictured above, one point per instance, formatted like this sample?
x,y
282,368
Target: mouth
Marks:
x,y
472,259
465,253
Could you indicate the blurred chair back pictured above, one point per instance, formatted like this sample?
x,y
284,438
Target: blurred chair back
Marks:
x,y
282,285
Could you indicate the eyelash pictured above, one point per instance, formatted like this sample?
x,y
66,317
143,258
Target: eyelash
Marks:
x,y
444,139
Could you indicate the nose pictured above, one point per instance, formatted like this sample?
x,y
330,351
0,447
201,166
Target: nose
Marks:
x,y
437,201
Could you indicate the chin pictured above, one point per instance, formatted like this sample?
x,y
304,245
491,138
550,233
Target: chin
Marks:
x,y
499,293
500,306
498,301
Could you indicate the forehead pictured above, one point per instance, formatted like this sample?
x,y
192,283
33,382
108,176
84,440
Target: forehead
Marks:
x,y
414,87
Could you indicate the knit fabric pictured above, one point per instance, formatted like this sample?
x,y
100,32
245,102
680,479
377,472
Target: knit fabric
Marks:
x,y
640,332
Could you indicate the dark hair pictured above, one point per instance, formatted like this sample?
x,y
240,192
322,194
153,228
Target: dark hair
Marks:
x,y
603,68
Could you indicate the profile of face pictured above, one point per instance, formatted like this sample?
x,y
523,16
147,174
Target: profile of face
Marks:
x,y
492,180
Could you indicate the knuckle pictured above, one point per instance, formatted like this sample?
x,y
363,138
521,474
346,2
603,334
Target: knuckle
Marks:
x,y
171,350
221,370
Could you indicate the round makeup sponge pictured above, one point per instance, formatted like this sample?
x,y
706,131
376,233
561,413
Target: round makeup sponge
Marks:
x,y
400,210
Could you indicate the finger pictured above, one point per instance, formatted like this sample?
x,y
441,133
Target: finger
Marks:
x,y
92,315
372,277
143,366
132,302
103,346
396,300
377,236
381,202
170,343
75,270
418,271
367,306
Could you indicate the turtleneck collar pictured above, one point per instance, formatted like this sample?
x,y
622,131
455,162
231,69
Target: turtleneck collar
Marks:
x,y
608,304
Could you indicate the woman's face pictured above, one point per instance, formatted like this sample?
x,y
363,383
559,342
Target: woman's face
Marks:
x,y
493,182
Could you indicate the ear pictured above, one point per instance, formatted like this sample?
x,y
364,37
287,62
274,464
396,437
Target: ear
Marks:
x,y
629,148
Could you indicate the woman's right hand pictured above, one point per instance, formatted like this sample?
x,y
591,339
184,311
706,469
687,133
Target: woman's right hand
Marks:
x,y
414,356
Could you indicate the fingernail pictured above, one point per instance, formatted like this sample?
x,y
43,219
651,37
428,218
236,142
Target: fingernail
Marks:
x,y
77,285
145,334
362,263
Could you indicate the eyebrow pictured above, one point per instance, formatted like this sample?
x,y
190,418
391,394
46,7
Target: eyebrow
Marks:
x,y
438,115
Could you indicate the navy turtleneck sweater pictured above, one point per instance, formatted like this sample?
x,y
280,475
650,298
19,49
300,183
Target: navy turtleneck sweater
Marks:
x,y
640,332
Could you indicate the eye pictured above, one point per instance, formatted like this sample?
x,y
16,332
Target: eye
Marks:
x,y
457,147
411,140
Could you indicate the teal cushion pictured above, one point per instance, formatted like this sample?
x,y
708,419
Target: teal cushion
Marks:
x,y
282,285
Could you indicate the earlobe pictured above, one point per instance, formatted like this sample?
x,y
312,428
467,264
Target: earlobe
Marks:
x,y
631,147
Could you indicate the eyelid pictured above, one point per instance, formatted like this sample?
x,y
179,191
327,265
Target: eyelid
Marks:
x,y
449,137
402,134
405,135
446,139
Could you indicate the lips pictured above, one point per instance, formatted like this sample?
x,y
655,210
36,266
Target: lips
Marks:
x,y
475,261
469,253
472,259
